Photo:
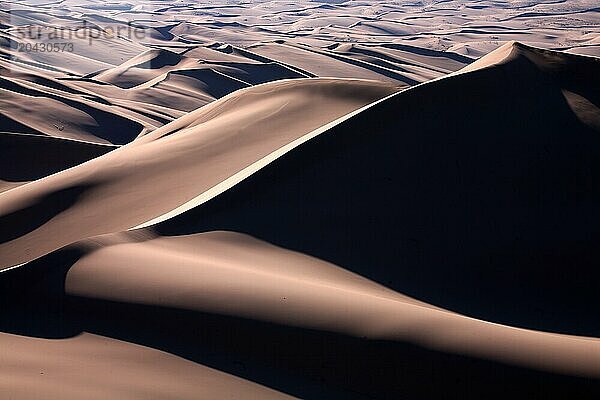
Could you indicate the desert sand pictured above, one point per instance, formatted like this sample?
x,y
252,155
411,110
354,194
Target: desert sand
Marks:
x,y
320,200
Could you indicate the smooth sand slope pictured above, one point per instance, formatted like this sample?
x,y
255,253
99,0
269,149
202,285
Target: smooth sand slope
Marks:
x,y
231,274
285,320
506,200
46,107
172,165
500,226
94,367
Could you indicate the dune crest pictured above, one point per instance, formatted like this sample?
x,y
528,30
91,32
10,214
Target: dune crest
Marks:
x,y
491,167
162,170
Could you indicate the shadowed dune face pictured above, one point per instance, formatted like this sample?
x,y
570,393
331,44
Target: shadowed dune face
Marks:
x,y
51,155
51,114
466,233
214,83
40,211
121,285
489,204
169,166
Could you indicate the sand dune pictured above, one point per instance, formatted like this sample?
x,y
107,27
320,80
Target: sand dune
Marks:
x,y
143,68
25,158
490,166
85,367
328,64
62,118
229,274
360,174
315,199
223,286
161,170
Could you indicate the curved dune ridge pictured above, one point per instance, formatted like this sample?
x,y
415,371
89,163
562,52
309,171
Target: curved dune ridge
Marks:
x,y
230,274
143,68
52,109
231,291
85,367
506,200
173,164
329,238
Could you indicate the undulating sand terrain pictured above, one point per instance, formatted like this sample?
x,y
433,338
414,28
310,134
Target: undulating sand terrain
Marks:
x,y
318,199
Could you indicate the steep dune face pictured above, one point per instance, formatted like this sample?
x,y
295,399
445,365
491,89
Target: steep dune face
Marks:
x,y
56,112
322,63
495,226
25,158
279,318
570,72
174,164
144,67
231,274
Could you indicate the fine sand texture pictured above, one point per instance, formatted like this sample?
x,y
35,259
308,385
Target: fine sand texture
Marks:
x,y
316,200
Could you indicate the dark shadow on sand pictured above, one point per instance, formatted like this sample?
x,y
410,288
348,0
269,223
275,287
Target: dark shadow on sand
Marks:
x,y
305,363
27,219
30,157
479,193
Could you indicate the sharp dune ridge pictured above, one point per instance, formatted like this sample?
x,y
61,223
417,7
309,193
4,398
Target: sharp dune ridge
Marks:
x,y
470,190
340,200
198,135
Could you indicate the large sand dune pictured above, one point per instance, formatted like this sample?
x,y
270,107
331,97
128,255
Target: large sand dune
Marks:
x,y
174,164
319,199
514,177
